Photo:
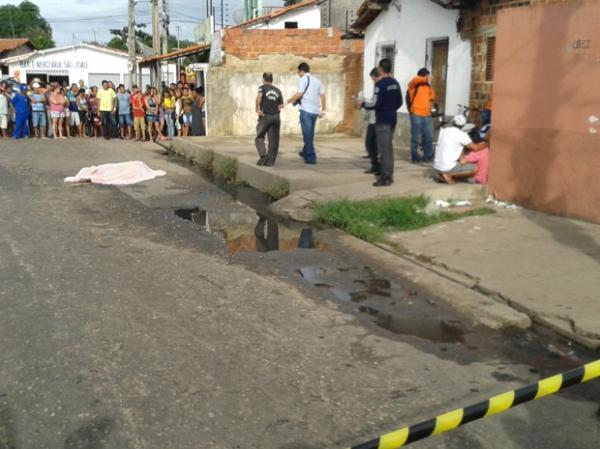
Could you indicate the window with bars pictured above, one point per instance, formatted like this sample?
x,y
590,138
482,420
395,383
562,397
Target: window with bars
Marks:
x,y
489,58
386,50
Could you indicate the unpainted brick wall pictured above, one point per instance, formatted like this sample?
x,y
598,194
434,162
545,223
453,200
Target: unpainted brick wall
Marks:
x,y
479,25
312,45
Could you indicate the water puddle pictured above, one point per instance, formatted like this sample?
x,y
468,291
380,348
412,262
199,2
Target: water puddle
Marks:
x,y
244,231
429,328
195,215
386,304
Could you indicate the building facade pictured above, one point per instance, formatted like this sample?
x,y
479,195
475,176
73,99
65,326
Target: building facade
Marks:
x,y
416,34
10,48
543,75
231,86
90,63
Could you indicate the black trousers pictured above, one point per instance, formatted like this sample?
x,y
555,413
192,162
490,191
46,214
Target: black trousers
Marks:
x,y
109,124
269,125
372,150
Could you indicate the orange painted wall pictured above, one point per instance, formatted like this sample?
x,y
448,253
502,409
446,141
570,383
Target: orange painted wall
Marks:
x,y
546,120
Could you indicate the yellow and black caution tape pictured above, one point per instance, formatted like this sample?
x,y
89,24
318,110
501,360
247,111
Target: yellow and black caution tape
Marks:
x,y
497,404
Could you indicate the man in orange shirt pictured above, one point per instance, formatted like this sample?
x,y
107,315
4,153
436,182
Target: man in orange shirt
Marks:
x,y
421,96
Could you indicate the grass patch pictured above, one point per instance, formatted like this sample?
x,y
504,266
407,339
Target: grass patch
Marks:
x,y
278,189
227,169
370,220
205,159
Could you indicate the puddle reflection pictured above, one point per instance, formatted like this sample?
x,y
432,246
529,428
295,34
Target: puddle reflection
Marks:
x,y
268,235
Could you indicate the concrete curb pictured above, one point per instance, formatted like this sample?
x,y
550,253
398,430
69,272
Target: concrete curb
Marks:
x,y
478,307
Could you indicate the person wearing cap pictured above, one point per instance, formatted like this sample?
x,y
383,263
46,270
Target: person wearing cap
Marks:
x,y
38,111
20,103
451,144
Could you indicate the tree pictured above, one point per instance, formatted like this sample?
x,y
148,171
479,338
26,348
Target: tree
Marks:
x,y
25,21
119,41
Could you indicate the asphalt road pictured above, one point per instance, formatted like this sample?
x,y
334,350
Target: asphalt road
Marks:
x,y
124,326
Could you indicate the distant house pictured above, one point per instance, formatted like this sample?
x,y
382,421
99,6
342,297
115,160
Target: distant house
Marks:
x,y
13,47
416,34
230,69
303,15
90,63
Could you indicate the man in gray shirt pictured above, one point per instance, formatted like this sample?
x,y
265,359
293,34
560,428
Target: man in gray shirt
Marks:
x,y
310,96
124,104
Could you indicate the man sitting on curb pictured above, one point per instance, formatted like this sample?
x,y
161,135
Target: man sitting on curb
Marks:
x,y
451,144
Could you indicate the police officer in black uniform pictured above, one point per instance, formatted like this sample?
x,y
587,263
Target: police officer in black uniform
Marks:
x,y
269,103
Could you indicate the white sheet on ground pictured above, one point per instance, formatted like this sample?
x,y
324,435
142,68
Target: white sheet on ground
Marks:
x,y
120,174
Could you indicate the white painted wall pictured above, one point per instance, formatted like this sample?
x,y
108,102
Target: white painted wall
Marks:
x,y
76,62
80,62
410,23
307,18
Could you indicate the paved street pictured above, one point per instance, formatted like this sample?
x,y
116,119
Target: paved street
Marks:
x,y
125,326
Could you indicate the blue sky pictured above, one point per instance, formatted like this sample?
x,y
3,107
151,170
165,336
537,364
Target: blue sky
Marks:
x,y
82,18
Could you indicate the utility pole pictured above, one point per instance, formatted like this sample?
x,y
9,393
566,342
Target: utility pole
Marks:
x,y
178,29
12,25
156,69
95,40
222,16
130,43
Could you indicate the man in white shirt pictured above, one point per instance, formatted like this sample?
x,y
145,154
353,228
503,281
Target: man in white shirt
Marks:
x,y
371,138
311,98
451,144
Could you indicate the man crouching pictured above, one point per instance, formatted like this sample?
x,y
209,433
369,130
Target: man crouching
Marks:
x,y
451,144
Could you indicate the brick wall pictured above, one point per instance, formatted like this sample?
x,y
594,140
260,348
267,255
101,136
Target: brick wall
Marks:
x,y
312,45
249,44
479,25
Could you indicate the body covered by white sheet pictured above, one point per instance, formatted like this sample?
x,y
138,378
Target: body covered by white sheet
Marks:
x,y
119,174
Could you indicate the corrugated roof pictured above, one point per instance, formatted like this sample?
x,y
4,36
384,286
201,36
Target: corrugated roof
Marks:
x,y
13,44
278,13
368,12
370,9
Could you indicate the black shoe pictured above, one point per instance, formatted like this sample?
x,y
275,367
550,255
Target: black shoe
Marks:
x,y
367,157
269,163
262,161
372,171
383,182
301,154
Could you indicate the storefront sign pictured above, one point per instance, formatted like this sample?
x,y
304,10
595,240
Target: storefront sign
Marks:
x,y
43,64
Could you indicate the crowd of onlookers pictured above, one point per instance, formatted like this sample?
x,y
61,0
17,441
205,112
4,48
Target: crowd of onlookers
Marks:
x,y
58,111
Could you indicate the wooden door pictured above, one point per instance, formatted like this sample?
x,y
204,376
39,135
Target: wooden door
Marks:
x,y
439,70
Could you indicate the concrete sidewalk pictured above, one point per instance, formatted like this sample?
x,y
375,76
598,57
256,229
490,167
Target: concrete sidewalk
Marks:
x,y
338,174
543,265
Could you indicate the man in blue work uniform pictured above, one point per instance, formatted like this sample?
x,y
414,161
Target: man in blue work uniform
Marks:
x,y
20,104
388,100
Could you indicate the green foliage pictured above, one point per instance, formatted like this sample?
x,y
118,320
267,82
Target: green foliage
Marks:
x,y
205,160
25,21
119,41
227,169
278,189
370,220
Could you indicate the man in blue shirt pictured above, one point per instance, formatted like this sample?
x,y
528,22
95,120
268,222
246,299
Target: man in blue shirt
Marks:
x,y
311,98
20,103
124,105
388,100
